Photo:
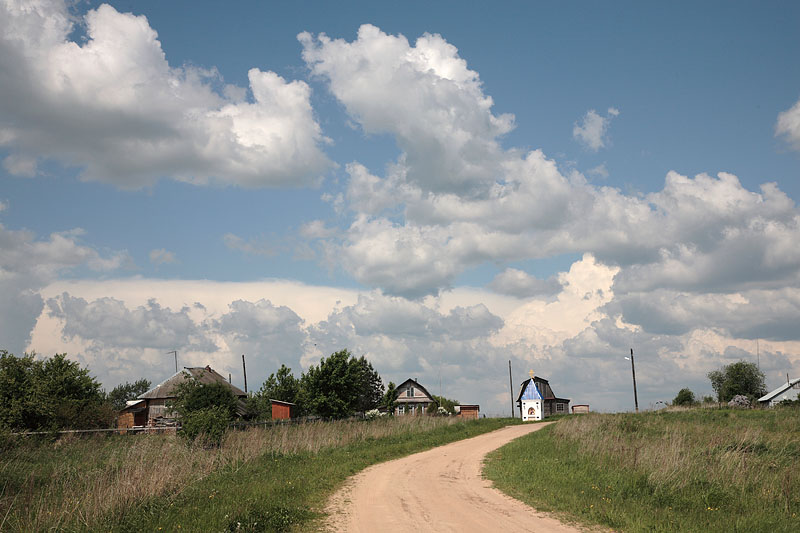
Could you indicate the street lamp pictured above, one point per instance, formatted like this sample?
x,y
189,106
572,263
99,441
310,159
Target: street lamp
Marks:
x,y
633,373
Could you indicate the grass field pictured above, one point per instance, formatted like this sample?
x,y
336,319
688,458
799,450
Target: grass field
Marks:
x,y
695,470
262,479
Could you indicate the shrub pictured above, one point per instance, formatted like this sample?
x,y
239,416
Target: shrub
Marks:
x,y
740,401
684,397
209,424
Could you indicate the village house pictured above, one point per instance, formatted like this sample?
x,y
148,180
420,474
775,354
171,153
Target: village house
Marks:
x,y
412,398
150,409
787,391
536,400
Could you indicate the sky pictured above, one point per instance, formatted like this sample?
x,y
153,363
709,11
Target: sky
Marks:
x,y
441,187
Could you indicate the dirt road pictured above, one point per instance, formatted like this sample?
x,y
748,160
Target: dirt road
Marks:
x,y
438,490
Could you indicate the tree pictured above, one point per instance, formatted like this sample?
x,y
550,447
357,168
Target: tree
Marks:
x,y
278,386
128,391
740,378
191,396
445,403
370,389
389,400
340,385
52,394
684,397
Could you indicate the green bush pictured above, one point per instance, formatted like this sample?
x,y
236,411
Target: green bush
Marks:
x,y
207,425
684,397
50,394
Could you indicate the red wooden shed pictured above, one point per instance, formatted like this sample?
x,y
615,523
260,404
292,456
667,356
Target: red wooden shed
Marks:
x,y
282,410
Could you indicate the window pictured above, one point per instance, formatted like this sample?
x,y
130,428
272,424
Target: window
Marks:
x,y
410,392
559,407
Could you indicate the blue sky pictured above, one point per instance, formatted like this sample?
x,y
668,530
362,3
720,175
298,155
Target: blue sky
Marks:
x,y
528,181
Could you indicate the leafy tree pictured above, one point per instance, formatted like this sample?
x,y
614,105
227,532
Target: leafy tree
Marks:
x,y
129,391
278,386
389,400
191,396
340,385
445,403
740,378
684,397
370,389
52,394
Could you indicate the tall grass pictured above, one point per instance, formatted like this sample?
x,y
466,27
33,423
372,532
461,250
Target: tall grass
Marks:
x,y
77,483
694,470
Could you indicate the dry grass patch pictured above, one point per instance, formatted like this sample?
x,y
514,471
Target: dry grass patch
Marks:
x,y
75,483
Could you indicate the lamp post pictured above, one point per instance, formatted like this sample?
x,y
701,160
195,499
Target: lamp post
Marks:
x,y
633,373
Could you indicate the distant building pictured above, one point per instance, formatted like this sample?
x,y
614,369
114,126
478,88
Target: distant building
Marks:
x,y
536,400
282,410
412,398
580,408
468,411
150,409
787,391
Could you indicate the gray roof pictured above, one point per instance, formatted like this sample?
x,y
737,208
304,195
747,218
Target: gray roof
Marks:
x,y
205,375
784,387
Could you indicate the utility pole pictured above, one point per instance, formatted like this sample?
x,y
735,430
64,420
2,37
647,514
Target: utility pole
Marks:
x,y
633,373
511,388
244,370
175,352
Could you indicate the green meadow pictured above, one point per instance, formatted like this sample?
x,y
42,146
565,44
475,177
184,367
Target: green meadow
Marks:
x,y
700,470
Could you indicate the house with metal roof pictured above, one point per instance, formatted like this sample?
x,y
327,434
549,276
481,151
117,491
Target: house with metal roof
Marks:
x,y
536,400
787,391
151,408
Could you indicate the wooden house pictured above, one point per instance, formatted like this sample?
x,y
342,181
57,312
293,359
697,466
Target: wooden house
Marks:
x,y
150,409
412,398
468,411
282,410
582,408
536,400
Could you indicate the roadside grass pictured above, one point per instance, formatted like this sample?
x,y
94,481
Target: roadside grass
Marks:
x,y
263,479
693,470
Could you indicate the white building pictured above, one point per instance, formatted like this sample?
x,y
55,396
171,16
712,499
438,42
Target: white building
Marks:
x,y
787,391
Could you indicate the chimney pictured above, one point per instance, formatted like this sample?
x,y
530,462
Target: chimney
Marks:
x,y
208,367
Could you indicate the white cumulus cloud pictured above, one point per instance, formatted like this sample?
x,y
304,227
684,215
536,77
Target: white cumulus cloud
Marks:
x,y
114,107
788,125
592,132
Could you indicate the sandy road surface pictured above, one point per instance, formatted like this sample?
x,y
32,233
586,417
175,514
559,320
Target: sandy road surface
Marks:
x,y
438,490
